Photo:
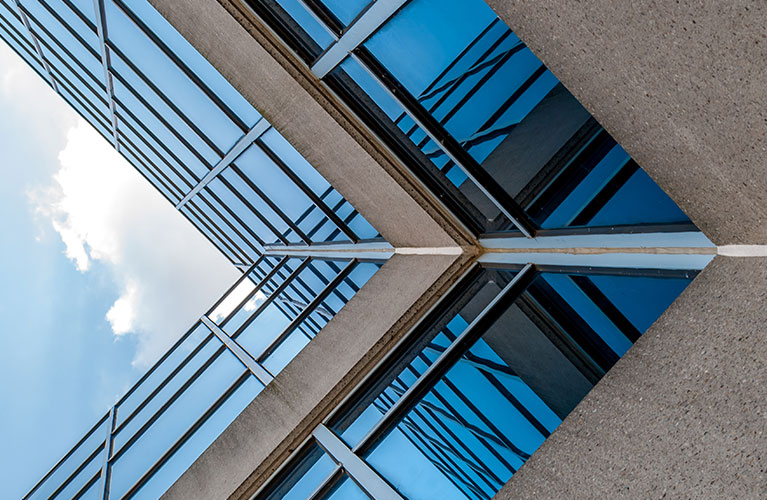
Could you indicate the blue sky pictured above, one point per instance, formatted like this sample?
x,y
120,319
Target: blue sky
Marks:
x,y
98,275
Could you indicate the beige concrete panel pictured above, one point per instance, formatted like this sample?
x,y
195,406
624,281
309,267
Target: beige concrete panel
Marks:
x,y
289,408
682,415
297,105
681,85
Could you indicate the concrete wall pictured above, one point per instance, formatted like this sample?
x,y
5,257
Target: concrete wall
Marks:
x,y
680,85
292,405
682,415
311,119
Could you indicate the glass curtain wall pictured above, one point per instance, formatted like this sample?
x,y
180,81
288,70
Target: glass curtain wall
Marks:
x,y
460,406
181,124
472,112
178,408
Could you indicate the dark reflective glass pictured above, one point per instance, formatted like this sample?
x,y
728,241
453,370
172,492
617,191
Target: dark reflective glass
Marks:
x,y
482,86
345,11
306,474
537,354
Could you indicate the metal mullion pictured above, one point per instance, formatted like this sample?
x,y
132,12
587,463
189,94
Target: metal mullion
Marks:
x,y
311,208
445,141
479,434
148,133
20,40
23,17
187,434
27,50
454,444
495,65
514,402
452,354
446,460
171,54
64,84
101,31
329,482
271,297
246,203
440,451
428,93
61,49
322,222
324,17
236,284
231,213
258,248
222,236
446,447
257,287
277,210
510,101
242,144
305,189
82,80
362,474
325,282
253,366
165,381
63,24
496,436
163,97
308,310
86,486
147,163
72,475
605,194
80,15
156,365
157,167
198,219
108,446
160,411
356,34
450,87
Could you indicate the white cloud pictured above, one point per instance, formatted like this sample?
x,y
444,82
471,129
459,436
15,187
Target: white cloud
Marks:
x,y
167,273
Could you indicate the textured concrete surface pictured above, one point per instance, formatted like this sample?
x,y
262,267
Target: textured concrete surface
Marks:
x,y
682,415
286,411
680,84
397,208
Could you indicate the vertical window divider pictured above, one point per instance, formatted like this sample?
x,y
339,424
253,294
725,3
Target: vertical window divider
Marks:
x,y
359,31
239,147
235,348
362,474
101,30
105,466
22,15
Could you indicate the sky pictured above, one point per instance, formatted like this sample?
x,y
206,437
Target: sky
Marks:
x,y
98,276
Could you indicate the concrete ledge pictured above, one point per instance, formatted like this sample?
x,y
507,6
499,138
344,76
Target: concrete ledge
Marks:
x,y
682,415
681,85
313,123
288,409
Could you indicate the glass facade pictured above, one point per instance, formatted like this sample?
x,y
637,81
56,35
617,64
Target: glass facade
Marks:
x,y
472,112
488,375
181,124
463,403
157,430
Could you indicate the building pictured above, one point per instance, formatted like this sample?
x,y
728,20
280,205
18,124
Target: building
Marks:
x,y
494,249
